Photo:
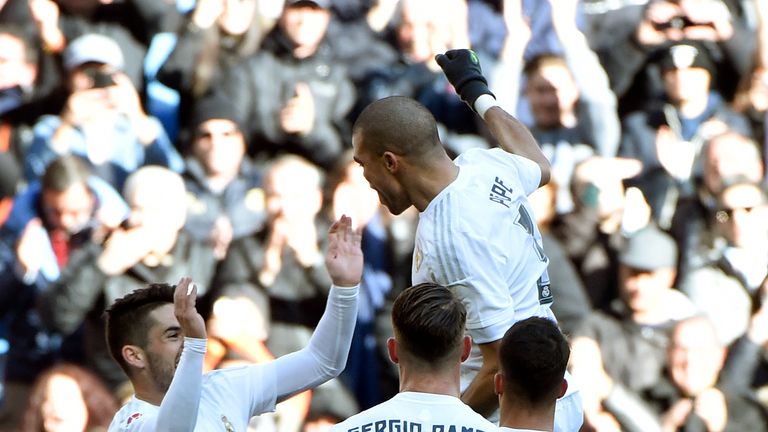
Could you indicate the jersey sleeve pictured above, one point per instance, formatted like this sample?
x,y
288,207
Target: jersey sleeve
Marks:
x,y
528,172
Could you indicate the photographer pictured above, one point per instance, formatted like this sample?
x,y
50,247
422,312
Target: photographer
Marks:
x,y
102,121
626,44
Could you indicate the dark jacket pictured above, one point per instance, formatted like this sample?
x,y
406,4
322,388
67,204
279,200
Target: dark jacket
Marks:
x,y
242,201
260,87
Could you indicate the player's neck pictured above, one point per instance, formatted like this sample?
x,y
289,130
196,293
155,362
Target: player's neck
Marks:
x,y
148,394
516,416
444,383
432,181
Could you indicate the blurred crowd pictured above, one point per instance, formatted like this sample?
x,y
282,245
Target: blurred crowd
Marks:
x,y
145,140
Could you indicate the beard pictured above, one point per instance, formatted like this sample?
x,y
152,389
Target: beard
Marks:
x,y
162,372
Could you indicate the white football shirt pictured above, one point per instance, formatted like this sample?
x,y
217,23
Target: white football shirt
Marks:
x,y
417,412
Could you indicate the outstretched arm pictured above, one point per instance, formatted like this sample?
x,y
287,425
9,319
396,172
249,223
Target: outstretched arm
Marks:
x,y
462,68
326,354
178,411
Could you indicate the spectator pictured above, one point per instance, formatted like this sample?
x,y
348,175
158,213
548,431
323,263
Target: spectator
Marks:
x,y
223,185
150,246
737,260
593,233
573,108
67,397
301,109
617,356
670,136
630,35
746,367
690,396
132,25
27,79
50,221
103,121
216,36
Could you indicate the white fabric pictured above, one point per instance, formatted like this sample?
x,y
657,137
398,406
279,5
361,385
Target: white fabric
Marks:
x,y
230,397
479,237
483,103
417,412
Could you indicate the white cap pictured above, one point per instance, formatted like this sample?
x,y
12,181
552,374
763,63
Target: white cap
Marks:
x,y
93,48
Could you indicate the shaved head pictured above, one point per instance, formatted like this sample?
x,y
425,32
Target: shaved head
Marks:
x,y
397,124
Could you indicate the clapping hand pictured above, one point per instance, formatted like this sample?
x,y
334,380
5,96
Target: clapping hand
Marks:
x,y
344,257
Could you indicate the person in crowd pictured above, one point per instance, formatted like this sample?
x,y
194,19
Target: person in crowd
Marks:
x,y
499,269
428,346
223,184
593,233
691,396
301,109
736,260
164,355
103,120
149,246
67,397
618,355
627,37
572,107
28,81
533,358
217,35
51,220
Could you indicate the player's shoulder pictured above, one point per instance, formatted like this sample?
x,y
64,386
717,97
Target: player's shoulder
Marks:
x,y
132,416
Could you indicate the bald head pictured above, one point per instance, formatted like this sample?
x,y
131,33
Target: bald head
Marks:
x,y
399,125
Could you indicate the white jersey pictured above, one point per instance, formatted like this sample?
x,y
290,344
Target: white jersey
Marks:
x,y
417,412
479,238
222,401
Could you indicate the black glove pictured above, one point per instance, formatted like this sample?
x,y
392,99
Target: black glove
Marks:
x,y
462,68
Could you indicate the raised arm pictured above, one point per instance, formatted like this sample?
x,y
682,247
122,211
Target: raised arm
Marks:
x,y
462,68
326,354
178,411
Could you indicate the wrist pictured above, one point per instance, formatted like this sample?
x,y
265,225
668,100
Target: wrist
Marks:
x,y
483,103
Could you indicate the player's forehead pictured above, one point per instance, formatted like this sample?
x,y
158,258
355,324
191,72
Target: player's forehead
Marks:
x,y
161,319
360,152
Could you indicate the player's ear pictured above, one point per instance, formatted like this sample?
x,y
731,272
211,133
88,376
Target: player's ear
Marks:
x,y
391,163
563,388
392,350
466,347
134,356
498,384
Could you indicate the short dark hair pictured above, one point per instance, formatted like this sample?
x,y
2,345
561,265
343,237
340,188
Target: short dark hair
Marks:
x,y
65,172
533,356
128,322
428,321
398,124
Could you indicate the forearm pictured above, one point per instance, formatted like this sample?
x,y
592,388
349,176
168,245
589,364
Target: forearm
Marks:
x,y
515,138
480,394
326,354
178,411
